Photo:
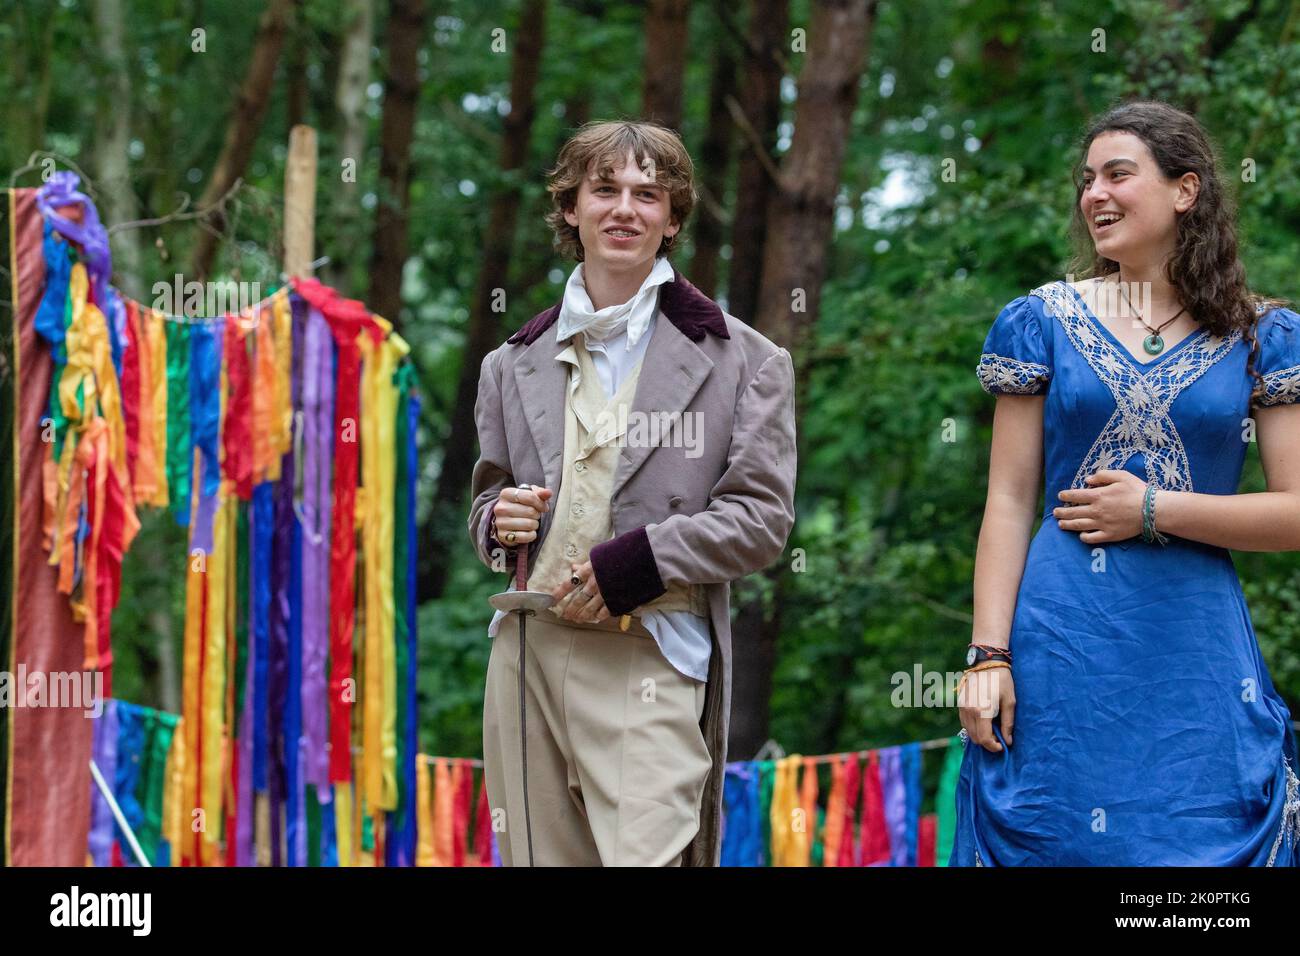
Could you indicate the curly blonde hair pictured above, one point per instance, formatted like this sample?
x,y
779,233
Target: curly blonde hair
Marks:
x,y
601,146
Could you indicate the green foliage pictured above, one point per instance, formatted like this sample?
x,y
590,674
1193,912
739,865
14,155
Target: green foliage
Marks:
x,y
894,444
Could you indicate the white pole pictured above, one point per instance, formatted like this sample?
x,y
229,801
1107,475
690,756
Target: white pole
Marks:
x,y
117,815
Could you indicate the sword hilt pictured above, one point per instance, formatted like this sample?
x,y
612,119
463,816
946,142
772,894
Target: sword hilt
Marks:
x,y
521,556
521,567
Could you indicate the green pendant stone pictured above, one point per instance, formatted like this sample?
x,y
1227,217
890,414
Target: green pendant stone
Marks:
x,y
1154,344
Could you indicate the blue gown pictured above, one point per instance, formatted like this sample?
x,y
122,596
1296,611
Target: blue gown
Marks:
x,y
1147,730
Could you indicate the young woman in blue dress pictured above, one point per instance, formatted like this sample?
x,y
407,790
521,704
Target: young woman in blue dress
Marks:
x,y
1120,709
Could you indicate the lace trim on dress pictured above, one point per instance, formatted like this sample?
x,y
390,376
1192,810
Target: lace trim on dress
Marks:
x,y
997,372
1279,388
1290,826
1141,422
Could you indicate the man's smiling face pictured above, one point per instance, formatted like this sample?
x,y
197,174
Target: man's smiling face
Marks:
x,y
622,217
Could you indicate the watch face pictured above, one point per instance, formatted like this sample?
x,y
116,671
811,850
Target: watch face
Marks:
x,y
970,656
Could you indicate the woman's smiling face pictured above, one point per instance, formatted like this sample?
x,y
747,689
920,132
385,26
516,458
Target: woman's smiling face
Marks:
x,y
1130,208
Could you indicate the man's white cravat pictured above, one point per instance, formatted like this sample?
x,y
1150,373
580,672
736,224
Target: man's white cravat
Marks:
x,y
578,315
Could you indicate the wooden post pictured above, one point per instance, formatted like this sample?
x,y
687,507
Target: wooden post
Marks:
x,y
299,238
300,201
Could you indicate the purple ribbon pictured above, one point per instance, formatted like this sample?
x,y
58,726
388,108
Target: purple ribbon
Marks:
x,y
61,190
318,435
894,792
281,575
294,750
244,797
104,748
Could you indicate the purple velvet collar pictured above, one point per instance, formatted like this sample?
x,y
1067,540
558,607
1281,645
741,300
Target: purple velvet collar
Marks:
x,y
689,309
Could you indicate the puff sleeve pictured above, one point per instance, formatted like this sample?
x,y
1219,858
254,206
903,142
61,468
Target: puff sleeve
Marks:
x,y
1015,359
1278,361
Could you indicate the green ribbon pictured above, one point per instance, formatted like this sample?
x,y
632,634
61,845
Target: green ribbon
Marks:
x,y
818,854
180,454
313,825
946,800
766,781
56,405
153,780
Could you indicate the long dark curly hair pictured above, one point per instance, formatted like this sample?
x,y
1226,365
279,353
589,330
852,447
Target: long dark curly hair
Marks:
x,y
1204,268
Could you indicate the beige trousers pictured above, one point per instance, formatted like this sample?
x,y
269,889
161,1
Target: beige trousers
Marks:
x,y
616,759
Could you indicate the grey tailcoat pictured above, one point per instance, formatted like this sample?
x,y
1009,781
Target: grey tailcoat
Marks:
x,y
704,507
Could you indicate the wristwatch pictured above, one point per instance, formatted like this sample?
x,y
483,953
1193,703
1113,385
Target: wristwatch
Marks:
x,y
979,653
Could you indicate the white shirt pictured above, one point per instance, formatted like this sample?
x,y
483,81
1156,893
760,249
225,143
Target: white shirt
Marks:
x,y
683,637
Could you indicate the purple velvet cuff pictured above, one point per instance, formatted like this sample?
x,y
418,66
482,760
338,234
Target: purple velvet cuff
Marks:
x,y
626,571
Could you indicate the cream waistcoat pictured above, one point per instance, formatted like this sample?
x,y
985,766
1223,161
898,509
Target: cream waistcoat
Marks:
x,y
593,427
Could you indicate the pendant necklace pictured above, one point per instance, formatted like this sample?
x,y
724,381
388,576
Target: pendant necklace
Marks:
x,y
1153,343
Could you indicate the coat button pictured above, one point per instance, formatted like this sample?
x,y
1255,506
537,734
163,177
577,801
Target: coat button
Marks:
x,y
571,550
675,501
579,466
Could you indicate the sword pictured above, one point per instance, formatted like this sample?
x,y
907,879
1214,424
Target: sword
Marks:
x,y
526,603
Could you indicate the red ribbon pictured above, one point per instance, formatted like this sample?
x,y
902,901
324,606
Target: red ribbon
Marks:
x,y
347,318
238,441
460,810
875,830
483,827
925,840
852,780
131,387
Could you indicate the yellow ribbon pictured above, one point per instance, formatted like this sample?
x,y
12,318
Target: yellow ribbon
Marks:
x,y
424,814
214,681
157,335
282,407
191,718
375,519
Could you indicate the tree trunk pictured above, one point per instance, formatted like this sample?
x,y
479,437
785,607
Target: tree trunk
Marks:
x,y
27,51
168,680
406,23
715,154
446,521
242,130
160,181
800,218
760,105
350,99
665,61
117,203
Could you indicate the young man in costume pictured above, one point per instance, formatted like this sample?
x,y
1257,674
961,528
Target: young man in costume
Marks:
x,y
637,443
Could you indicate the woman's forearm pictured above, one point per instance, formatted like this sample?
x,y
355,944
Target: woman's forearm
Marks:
x,y
999,565
1263,521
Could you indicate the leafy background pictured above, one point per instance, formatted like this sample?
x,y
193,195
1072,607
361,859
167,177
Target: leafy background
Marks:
x,y
888,510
